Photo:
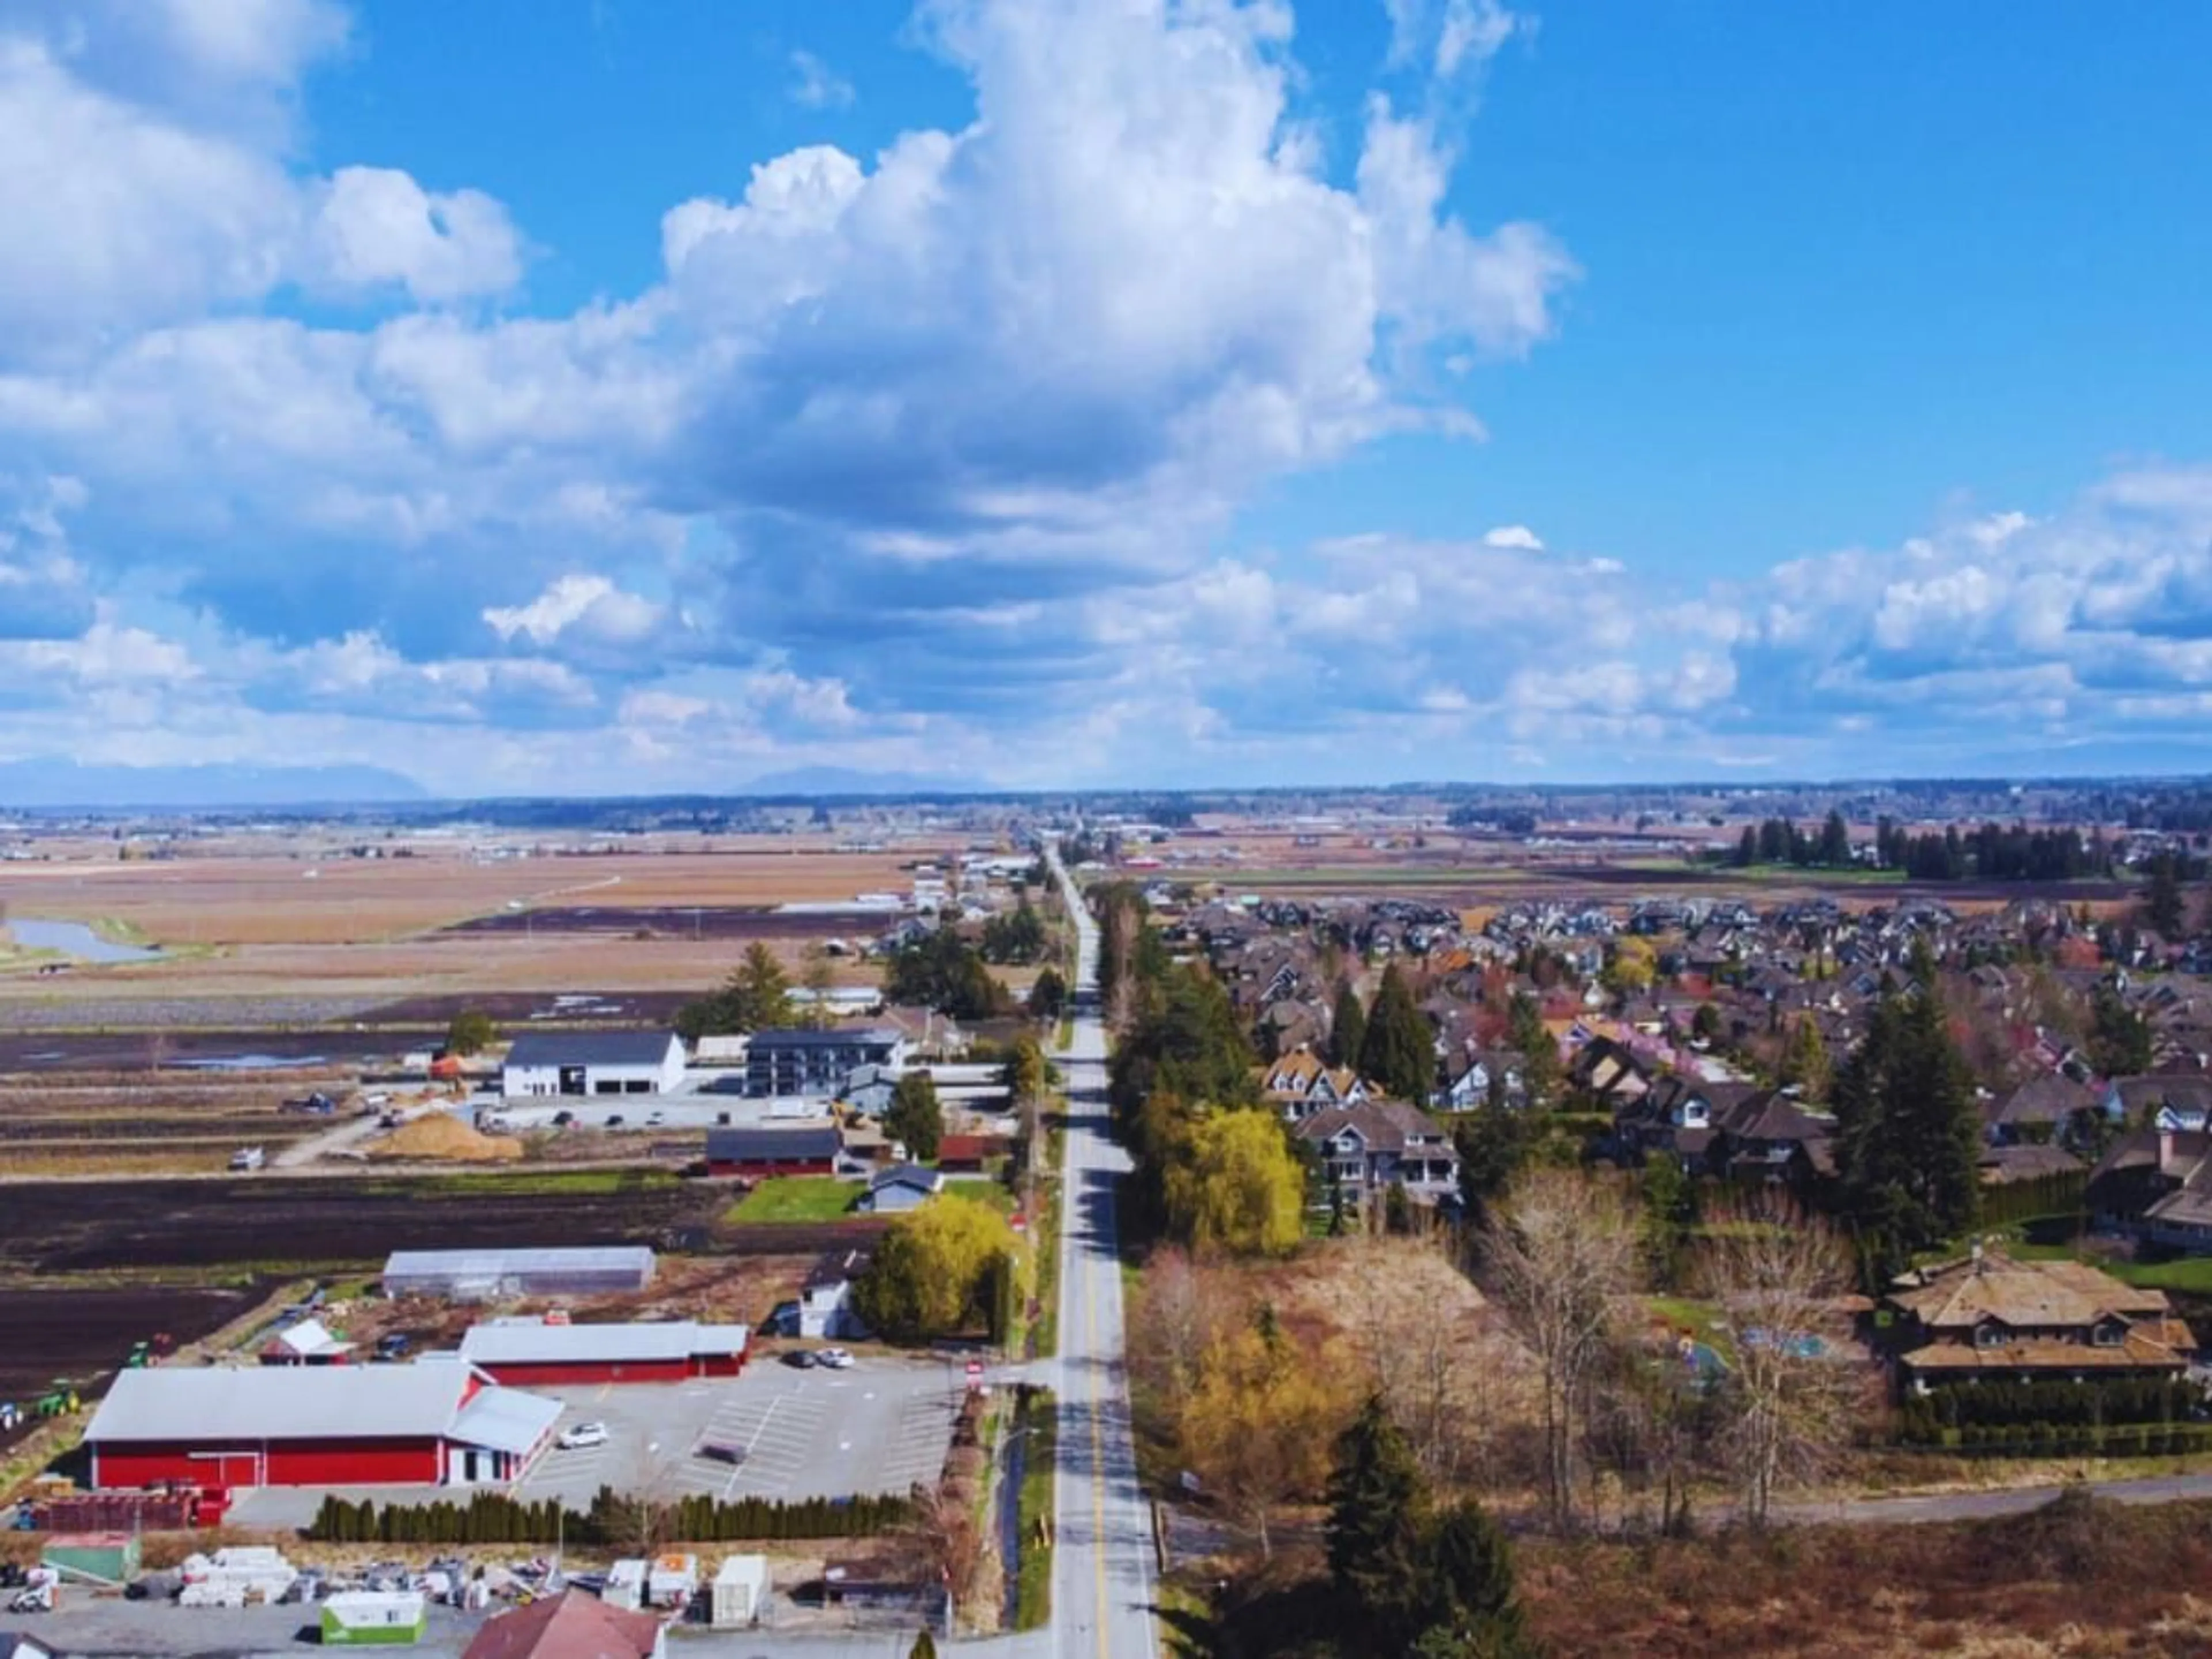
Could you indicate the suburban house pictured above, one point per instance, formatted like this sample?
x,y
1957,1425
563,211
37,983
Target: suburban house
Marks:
x,y
1366,1149
2161,1100
824,1308
316,1425
1483,1073
818,1063
1680,1114
593,1063
902,1188
1768,1133
1607,1070
2039,1109
1299,1084
756,1153
1987,1316
2156,1185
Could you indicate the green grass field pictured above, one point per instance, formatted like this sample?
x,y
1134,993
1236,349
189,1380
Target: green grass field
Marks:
x,y
796,1198
984,1190
1033,1581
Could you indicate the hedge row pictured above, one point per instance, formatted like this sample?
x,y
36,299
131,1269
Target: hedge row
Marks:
x,y
495,1518
2050,1440
2058,1192
1995,1404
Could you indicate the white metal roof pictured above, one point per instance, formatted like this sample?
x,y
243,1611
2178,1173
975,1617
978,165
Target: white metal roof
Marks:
x,y
368,1402
522,1342
502,1264
311,1336
504,1420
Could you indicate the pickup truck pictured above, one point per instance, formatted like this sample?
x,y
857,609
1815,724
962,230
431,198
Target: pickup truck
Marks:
x,y
247,1158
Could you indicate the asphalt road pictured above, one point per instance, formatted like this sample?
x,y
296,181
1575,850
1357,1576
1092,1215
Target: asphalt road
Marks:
x,y
1101,1590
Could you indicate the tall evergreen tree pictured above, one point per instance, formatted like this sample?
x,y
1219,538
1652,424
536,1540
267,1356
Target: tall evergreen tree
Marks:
x,y
1347,1027
1524,1029
1472,1607
2119,1038
1804,1063
2165,911
1908,1133
1399,1050
1835,840
1376,1517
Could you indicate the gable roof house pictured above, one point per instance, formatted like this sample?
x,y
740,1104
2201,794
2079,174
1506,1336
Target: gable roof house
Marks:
x,y
2040,1108
902,1188
1470,1083
2156,1185
1988,1316
1768,1133
1606,1069
2161,1100
1368,1148
1300,1084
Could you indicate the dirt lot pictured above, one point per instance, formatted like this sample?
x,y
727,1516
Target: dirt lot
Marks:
x,y
84,1333
275,1222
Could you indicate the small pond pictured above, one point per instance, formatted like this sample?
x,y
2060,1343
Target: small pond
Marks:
x,y
74,939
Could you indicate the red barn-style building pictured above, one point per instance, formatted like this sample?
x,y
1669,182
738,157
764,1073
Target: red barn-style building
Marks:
x,y
761,1153
436,1423
525,1351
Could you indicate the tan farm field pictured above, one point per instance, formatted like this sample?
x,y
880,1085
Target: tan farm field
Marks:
x,y
258,924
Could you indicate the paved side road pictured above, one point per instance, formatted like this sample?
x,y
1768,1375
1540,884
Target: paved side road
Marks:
x,y
1986,1505
1101,1587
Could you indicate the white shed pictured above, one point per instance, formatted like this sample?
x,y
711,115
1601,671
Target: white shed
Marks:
x,y
741,1590
625,1585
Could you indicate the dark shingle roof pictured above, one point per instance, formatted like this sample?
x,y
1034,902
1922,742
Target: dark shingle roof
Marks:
x,y
771,1145
832,1038
589,1049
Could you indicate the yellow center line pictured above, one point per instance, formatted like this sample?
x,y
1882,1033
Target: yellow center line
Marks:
x,y
1098,1456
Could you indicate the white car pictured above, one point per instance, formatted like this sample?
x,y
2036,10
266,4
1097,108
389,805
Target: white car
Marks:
x,y
583,1435
836,1358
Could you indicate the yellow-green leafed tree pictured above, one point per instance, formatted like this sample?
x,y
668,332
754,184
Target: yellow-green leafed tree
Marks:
x,y
1632,967
941,1269
1237,1187
1260,1423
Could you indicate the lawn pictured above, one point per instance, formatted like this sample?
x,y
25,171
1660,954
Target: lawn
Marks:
x,y
2193,1274
796,1198
984,1189
1040,1418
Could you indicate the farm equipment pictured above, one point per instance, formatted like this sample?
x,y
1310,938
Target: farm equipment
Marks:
x,y
58,1401
37,1594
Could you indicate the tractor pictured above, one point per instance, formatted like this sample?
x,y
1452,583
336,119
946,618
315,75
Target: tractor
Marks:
x,y
58,1401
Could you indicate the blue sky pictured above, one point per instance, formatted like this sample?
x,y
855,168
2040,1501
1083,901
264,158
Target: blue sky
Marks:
x,y
610,396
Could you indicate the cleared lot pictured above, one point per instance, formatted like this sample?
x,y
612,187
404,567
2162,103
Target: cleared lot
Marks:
x,y
880,1427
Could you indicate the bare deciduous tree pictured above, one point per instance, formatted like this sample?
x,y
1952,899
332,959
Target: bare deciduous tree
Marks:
x,y
941,1540
1792,1391
1561,1253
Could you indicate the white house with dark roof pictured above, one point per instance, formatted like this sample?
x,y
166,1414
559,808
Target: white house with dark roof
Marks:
x,y
1367,1148
575,1063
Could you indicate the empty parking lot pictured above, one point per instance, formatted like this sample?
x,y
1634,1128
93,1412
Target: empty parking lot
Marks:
x,y
880,1427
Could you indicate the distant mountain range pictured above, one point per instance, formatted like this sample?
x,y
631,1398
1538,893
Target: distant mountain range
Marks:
x,y
846,780
47,784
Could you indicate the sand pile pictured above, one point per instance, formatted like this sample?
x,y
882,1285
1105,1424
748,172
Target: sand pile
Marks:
x,y
435,1135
